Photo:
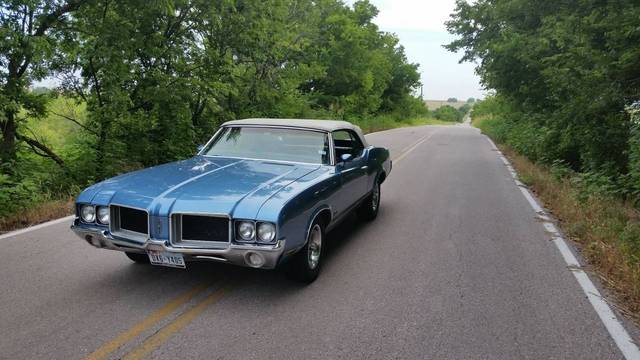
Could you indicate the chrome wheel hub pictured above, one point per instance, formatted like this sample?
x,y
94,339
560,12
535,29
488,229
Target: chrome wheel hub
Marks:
x,y
315,246
375,197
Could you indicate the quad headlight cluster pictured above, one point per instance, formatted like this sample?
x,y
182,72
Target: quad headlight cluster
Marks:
x,y
90,213
251,231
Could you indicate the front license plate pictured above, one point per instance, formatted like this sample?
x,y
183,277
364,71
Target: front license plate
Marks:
x,y
164,258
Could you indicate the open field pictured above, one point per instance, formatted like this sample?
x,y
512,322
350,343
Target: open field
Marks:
x,y
58,126
434,104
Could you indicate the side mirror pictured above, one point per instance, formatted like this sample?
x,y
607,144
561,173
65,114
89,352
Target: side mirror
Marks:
x,y
346,157
200,147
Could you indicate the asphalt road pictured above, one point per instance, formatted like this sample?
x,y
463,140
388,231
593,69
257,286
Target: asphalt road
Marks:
x,y
456,266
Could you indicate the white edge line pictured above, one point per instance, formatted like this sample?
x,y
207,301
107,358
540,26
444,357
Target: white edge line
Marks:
x,y
36,227
613,325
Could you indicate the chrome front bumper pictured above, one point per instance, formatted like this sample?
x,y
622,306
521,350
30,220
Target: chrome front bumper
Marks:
x,y
232,253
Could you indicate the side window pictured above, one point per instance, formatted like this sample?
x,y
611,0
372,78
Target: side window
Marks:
x,y
357,144
346,142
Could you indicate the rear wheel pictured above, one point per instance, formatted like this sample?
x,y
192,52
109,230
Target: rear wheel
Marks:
x,y
305,265
138,258
369,208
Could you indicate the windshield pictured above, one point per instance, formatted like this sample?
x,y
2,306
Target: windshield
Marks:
x,y
272,144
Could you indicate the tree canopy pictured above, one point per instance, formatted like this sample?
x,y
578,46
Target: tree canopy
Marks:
x,y
563,73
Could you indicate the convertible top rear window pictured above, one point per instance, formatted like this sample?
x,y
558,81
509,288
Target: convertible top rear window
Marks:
x,y
271,143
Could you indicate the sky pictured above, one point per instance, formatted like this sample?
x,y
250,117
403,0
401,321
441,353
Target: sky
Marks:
x,y
419,24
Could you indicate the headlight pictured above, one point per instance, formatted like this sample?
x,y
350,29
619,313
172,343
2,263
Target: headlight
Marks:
x,y
266,232
88,213
103,215
246,230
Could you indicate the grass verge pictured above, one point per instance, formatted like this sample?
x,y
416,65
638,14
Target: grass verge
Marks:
x,y
381,123
38,213
606,229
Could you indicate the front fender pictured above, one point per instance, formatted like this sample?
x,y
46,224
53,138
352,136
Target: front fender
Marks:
x,y
297,214
378,162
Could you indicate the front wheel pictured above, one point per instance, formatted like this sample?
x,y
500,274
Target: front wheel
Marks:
x,y
305,265
138,258
369,208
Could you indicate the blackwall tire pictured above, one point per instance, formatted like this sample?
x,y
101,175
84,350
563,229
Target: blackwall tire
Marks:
x,y
305,265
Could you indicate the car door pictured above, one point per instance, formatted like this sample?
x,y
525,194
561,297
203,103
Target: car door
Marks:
x,y
352,172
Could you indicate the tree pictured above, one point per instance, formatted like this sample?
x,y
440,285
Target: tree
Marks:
x,y
566,70
31,32
447,113
452,100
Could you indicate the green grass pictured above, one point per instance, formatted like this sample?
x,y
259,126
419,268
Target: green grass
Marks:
x,y
383,122
55,130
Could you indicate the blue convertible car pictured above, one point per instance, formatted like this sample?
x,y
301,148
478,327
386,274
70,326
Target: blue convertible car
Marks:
x,y
260,193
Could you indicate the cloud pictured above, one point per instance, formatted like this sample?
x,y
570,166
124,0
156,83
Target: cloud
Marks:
x,y
420,27
426,15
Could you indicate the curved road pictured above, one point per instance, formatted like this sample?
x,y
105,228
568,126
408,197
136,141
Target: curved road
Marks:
x,y
457,266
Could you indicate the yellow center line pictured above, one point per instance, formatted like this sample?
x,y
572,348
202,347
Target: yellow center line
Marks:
x,y
130,334
413,147
180,322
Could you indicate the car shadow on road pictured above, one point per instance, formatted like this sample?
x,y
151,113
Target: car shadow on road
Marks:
x,y
132,275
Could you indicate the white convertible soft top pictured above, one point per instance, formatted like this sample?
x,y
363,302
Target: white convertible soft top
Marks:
x,y
324,125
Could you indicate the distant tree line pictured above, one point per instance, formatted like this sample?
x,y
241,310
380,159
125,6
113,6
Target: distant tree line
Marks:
x,y
564,75
158,77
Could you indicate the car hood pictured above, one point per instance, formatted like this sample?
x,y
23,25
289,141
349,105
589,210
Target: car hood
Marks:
x,y
237,187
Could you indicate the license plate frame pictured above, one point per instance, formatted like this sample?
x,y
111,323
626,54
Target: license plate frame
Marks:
x,y
167,259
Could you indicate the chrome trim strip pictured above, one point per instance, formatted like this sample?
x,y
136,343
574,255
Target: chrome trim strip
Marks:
x,y
314,219
209,257
260,159
332,149
206,145
278,127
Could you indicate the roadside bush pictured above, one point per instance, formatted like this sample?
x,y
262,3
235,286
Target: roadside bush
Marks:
x,y
448,113
408,107
634,152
